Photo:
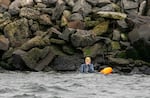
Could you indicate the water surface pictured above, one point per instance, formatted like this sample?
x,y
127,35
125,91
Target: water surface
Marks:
x,y
73,85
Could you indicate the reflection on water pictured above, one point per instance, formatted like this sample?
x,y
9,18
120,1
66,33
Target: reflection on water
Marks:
x,y
73,85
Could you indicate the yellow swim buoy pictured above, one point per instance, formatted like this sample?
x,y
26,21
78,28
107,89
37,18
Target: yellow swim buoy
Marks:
x,y
106,70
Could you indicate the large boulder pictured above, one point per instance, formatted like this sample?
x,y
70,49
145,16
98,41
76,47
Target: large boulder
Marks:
x,y
17,32
4,43
112,15
83,38
29,13
67,63
140,36
83,7
5,3
37,41
35,59
14,7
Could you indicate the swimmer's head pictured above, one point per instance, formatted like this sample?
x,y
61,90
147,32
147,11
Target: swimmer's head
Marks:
x,y
87,60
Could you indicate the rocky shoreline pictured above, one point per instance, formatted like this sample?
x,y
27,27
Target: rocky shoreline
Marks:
x,y
45,35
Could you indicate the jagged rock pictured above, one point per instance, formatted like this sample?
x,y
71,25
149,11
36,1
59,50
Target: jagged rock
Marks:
x,y
29,13
75,16
65,17
45,19
77,24
142,8
4,20
68,49
58,11
101,28
17,32
98,2
37,41
70,2
4,5
35,59
66,34
4,43
57,41
129,4
115,45
83,38
94,50
120,61
66,63
82,7
112,15
14,7
116,35
140,40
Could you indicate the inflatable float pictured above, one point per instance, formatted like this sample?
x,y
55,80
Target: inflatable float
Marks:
x,y
107,70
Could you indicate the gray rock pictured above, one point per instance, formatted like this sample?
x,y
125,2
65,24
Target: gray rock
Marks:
x,y
45,19
66,34
82,7
58,11
17,32
129,4
142,8
112,15
70,2
35,59
36,41
75,16
4,43
116,35
118,61
14,7
5,3
98,2
83,38
66,63
29,13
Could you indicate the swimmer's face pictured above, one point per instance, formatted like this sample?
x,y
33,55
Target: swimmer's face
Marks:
x,y
87,60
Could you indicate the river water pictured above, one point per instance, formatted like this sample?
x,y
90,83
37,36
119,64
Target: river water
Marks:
x,y
73,85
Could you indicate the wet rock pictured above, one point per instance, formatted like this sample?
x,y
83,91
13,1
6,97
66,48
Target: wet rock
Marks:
x,y
66,63
101,28
66,34
36,59
17,32
140,35
83,38
76,16
77,24
45,19
82,7
37,41
4,43
112,15
29,13
120,61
